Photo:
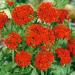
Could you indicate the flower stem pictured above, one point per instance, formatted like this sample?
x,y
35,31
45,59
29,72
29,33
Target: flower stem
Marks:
x,y
42,73
13,56
31,66
22,72
23,69
45,73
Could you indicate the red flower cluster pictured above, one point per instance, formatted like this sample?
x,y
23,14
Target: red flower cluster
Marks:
x,y
62,15
15,36
23,58
48,36
10,3
71,46
37,34
22,14
46,12
13,40
44,59
3,19
64,56
62,31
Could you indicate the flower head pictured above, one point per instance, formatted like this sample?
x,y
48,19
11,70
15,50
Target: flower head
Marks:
x,y
10,43
15,36
13,40
46,12
22,14
23,58
48,36
71,46
62,32
10,3
44,60
33,37
3,19
64,56
62,15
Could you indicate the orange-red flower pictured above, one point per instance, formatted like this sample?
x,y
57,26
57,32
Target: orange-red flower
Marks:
x,y
10,3
22,14
10,43
71,46
64,56
3,19
46,12
33,37
48,36
15,36
62,15
37,34
13,40
44,59
62,32
23,58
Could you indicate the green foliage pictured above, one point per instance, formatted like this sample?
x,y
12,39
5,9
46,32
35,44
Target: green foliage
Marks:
x,y
61,3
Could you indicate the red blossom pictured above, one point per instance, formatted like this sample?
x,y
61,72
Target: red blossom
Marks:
x,y
16,37
37,34
62,32
34,35
48,36
62,15
3,19
22,14
44,60
10,3
23,58
46,12
13,40
10,43
71,46
64,56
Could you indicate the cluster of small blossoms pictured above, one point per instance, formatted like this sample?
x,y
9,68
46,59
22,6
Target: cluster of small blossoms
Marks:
x,y
64,56
13,40
37,35
3,20
71,46
23,58
22,14
46,12
62,32
44,59
63,14
10,2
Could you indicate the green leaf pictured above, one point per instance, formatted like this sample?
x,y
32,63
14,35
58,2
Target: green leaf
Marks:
x,y
8,66
34,72
27,70
73,73
8,73
42,73
59,70
16,70
73,34
5,50
16,74
1,55
61,3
